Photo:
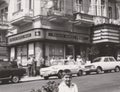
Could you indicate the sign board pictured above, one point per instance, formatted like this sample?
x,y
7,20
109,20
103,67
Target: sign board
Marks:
x,y
67,36
26,36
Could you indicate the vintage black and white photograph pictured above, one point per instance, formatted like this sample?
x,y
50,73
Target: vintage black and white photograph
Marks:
x,y
59,45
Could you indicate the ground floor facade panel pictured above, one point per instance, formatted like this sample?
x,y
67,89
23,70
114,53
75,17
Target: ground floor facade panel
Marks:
x,y
47,50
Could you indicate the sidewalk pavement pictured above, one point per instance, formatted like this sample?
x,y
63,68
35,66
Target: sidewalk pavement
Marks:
x,y
27,78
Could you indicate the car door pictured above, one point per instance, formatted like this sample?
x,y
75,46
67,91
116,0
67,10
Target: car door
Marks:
x,y
113,63
73,67
4,71
106,63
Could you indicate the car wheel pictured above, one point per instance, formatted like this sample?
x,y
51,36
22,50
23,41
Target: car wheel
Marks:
x,y
15,79
117,69
60,74
99,70
80,73
46,77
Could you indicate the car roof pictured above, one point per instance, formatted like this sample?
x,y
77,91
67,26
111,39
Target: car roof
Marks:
x,y
105,57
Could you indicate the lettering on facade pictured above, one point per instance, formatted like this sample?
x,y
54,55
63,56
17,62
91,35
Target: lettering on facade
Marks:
x,y
20,37
68,36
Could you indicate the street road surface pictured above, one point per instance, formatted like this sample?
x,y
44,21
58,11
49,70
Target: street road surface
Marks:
x,y
108,82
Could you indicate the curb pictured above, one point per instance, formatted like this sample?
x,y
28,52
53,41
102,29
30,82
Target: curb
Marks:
x,y
27,78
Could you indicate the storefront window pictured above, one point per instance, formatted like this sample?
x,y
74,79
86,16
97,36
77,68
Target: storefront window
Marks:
x,y
69,50
56,50
38,50
31,49
12,53
22,54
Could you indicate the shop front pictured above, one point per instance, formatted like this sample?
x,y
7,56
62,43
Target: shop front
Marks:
x,y
46,44
107,39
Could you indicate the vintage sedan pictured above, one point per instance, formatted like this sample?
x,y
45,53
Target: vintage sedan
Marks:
x,y
100,64
10,73
57,69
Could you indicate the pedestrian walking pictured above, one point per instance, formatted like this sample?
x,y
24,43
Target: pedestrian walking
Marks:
x,y
67,85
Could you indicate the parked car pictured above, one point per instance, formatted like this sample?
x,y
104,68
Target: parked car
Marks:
x,y
100,64
10,73
57,69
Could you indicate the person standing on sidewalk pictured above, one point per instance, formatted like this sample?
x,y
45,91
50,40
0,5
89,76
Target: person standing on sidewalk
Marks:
x,y
34,61
79,60
39,65
67,85
29,65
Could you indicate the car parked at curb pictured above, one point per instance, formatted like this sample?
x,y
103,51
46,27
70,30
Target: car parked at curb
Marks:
x,y
10,73
57,69
104,63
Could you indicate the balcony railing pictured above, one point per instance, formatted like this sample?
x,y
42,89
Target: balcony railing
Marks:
x,y
55,12
83,17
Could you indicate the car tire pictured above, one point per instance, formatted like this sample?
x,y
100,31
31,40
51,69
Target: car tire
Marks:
x,y
60,74
46,77
15,79
117,69
99,70
80,73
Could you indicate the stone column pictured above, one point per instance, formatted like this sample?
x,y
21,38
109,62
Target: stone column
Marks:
x,y
106,9
118,8
93,7
99,7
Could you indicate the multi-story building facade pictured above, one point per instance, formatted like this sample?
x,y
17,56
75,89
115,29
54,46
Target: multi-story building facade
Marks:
x,y
58,28
4,26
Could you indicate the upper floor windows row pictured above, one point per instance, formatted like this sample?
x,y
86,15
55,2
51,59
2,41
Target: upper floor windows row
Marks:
x,y
95,7
18,5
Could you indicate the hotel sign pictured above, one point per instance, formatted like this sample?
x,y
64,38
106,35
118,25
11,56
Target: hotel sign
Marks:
x,y
67,36
26,36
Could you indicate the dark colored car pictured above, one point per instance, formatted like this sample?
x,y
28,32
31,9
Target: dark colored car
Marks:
x,y
10,73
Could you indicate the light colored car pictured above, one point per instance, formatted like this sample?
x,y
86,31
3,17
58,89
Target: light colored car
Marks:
x,y
100,64
57,69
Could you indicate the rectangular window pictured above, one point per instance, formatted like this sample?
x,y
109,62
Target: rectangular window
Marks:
x,y
30,4
18,5
102,7
4,13
110,12
79,5
59,5
96,7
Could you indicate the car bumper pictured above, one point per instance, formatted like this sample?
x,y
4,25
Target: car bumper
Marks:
x,y
90,70
43,74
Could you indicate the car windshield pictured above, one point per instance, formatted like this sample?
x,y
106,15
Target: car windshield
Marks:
x,y
112,59
96,60
69,63
5,64
57,62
